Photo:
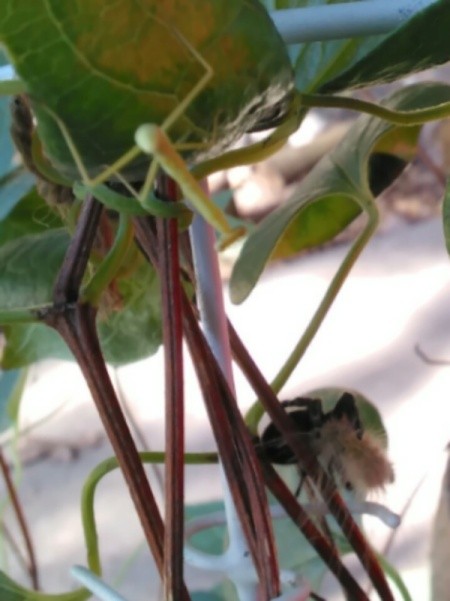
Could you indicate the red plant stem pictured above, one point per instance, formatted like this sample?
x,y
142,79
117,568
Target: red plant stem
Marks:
x,y
237,455
75,322
311,466
169,271
215,325
314,536
76,325
235,447
32,564
67,285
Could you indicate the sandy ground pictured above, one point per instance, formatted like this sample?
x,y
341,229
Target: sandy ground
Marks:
x,y
397,296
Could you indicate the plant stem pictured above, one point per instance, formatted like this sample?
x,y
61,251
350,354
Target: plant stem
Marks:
x,y
32,564
90,489
10,316
75,322
235,446
407,118
210,297
167,231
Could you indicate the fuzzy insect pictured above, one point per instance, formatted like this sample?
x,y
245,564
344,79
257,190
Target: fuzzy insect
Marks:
x,y
353,456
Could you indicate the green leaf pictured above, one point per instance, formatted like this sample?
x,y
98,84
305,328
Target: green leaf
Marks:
x,y
3,58
127,333
12,591
28,343
29,266
11,87
315,63
399,53
31,215
98,66
134,331
329,198
318,62
331,66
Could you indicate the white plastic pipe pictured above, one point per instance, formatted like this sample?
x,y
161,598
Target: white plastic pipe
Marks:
x,y
95,584
338,21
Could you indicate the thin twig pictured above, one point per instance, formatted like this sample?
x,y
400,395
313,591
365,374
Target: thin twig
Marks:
x,y
169,269
315,537
17,506
18,554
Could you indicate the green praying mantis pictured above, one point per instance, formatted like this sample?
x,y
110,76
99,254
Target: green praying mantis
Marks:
x,y
111,106
189,93
121,98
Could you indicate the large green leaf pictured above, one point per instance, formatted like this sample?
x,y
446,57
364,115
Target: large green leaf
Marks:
x,y
422,42
31,215
335,65
126,334
315,63
29,267
104,67
33,251
12,591
28,343
328,198
133,332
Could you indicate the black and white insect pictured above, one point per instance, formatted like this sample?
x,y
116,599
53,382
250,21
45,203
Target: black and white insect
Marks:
x,y
354,457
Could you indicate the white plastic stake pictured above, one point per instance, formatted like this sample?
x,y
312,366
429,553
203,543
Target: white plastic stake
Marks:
x,y
339,21
95,584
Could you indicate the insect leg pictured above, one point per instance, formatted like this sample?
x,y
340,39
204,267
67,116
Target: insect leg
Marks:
x,y
153,140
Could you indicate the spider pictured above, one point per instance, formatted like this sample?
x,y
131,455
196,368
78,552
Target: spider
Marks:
x,y
354,457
